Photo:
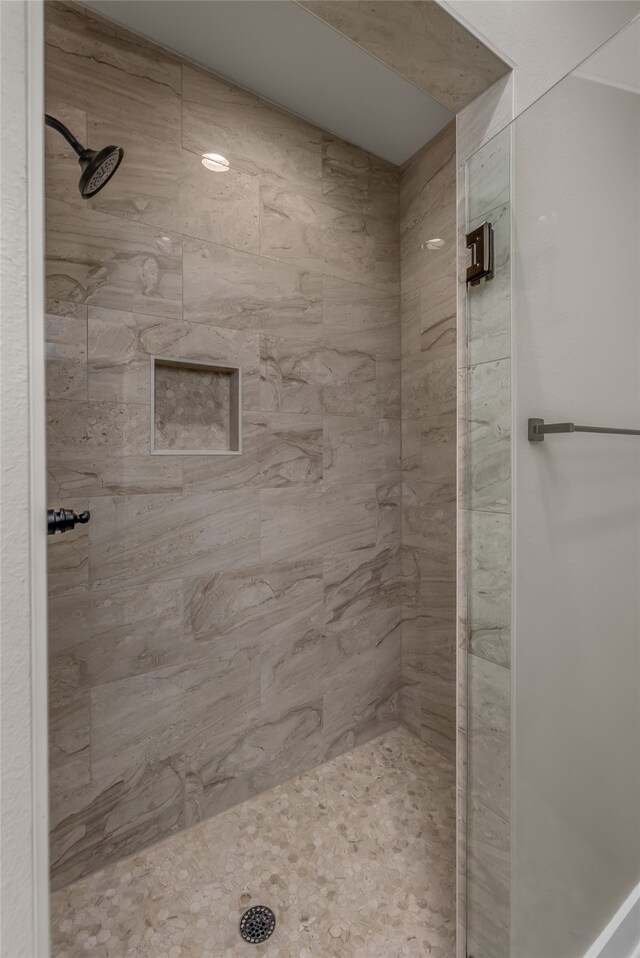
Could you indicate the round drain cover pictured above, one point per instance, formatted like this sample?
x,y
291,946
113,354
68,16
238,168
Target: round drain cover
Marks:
x,y
257,924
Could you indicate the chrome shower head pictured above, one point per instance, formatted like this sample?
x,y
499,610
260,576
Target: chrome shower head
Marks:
x,y
97,167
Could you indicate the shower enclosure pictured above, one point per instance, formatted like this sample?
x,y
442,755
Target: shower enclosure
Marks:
x,y
553,673
251,407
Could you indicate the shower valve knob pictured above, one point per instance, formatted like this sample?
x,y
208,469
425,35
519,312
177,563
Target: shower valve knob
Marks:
x,y
62,520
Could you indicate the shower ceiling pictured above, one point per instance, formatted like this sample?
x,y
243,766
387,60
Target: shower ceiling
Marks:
x,y
287,55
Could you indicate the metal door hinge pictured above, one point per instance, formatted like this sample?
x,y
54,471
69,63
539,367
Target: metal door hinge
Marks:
x,y
480,242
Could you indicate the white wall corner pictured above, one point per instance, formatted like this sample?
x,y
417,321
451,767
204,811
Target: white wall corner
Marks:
x,y
23,751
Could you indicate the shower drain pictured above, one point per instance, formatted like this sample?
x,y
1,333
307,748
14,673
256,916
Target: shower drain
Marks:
x,y
257,924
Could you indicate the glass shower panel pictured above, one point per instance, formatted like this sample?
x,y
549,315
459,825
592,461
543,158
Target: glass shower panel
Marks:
x,y
576,703
486,522
553,676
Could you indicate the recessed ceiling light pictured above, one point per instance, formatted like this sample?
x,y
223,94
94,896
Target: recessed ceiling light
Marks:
x,y
216,162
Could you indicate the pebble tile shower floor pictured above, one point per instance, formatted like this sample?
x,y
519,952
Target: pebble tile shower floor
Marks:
x,y
356,859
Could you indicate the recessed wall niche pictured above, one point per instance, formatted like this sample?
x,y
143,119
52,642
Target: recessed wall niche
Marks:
x,y
195,408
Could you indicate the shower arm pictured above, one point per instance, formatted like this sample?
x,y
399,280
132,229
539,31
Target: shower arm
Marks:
x,y
63,131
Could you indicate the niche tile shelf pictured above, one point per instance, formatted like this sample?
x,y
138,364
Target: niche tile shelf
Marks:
x,y
195,408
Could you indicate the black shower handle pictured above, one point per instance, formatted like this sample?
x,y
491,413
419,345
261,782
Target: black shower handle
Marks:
x,y
62,520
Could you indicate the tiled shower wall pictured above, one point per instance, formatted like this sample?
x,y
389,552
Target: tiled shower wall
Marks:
x,y
221,623
486,524
428,311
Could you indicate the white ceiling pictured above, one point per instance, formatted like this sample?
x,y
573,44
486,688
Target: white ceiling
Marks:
x,y
287,55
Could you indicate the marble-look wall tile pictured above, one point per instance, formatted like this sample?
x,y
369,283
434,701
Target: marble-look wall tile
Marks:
x,y
154,715
121,345
308,378
256,604
140,539
419,41
100,448
351,234
488,883
437,316
428,653
70,738
107,820
101,69
256,137
113,474
361,450
216,610
388,385
428,519
66,350
86,431
71,774
418,173
429,387
278,449
484,726
103,260
267,752
292,451
488,176
416,258
299,229
389,499
68,555
119,350
315,521
100,637
428,684
353,313
411,448
361,594
217,473
437,448
489,587
429,396
226,287
428,588
489,735
355,180
461,864
295,668
489,436
428,211
355,713
170,185
358,384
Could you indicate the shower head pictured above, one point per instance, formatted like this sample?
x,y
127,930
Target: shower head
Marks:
x,y
97,167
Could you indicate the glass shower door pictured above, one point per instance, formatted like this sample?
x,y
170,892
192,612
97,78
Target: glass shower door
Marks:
x,y
554,714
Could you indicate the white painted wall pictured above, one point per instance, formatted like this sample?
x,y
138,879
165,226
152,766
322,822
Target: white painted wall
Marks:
x,y
576,687
543,39
23,832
